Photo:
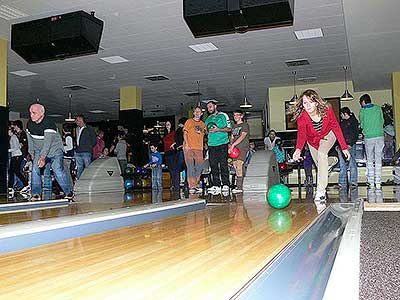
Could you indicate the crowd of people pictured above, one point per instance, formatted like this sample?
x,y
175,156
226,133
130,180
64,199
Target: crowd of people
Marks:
x,y
40,153
197,145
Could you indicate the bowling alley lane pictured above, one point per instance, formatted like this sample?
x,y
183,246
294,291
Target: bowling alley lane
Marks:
x,y
207,254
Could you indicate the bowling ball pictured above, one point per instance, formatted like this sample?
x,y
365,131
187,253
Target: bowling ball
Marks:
x,y
279,196
283,166
129,171
211,125
128,196
128,184
280,221
138,184
234,153
138,170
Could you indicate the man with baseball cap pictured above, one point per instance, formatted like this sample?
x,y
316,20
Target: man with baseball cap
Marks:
x,y
218,126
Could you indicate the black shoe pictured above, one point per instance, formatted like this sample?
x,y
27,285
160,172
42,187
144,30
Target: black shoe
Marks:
x,y
35,197
70,197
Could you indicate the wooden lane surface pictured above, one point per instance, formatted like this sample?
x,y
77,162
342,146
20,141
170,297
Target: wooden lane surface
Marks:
x,y
208,254
386,206
97,203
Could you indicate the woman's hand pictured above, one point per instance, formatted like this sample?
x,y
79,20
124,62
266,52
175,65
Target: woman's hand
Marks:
x,y
230,149
347,154
297,155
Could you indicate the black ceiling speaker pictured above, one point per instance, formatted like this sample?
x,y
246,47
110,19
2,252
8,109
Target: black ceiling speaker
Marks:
x,y
215,17
58,37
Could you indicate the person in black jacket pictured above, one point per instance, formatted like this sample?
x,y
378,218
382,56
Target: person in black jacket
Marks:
x,y
349,125
180,164
85,141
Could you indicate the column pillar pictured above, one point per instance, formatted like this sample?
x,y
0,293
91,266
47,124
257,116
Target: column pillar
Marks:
x,y
131,117
3,116
396,105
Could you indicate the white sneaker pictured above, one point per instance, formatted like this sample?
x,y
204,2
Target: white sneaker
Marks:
x,y
192,191
198,190
225,193
237,191
214,188
378,186
11,192
320,197
225,188
26,189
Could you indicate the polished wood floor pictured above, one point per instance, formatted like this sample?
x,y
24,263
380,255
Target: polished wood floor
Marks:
x,y
208,254
84,204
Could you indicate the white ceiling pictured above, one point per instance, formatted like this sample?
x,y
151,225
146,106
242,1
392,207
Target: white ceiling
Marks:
x,y
153,36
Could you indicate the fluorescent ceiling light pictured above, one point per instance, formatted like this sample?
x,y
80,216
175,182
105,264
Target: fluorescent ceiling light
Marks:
x,y
11,13
23,73
55,115
97,111
309,34
203,47
114,59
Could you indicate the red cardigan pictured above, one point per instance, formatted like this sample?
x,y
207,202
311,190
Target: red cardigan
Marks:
x,y
307,133
168,140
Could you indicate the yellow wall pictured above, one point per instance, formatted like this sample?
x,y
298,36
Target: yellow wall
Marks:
x,y
3,72
278,96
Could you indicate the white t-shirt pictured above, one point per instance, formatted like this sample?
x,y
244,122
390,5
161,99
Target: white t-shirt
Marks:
x,y
269,145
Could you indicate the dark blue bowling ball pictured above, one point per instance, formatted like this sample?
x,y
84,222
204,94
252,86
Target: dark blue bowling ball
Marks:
x,y
128,196
128,184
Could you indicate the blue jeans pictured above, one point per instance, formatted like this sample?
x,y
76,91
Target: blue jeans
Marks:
x,y
374,150
56,163
156,178
343,167
83,159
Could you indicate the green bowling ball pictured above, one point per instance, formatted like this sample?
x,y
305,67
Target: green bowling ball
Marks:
x,y
280,221
279,196
129,171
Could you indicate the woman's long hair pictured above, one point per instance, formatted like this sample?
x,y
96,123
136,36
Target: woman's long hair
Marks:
x,y
296,109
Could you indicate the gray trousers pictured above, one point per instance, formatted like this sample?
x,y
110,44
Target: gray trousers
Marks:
x,y
374,151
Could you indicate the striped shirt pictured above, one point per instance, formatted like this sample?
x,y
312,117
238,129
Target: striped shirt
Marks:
x,y
317,125
44,138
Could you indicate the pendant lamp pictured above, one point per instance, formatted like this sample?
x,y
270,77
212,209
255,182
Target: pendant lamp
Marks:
x,y
294,99
246,104
70,118
346,95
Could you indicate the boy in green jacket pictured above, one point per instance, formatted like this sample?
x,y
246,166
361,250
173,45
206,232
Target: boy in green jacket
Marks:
x,y
371,121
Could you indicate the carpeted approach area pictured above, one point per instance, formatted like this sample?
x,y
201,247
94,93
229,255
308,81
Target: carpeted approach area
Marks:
x,y
380,256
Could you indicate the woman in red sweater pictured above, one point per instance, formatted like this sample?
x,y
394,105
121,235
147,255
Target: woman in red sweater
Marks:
x,y
317,125
169,149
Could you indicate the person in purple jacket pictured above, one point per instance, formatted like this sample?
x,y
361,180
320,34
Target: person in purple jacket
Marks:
x,y
308,165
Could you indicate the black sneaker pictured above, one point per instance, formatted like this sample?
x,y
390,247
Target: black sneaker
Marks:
x,y
35,197
70,197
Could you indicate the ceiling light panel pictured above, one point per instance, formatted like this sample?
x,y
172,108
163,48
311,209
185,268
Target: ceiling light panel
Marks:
x,y
23,73
309,34
297,62
203,47
192,94
156,77
75,87
11,13
307,79
97,111
114,59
